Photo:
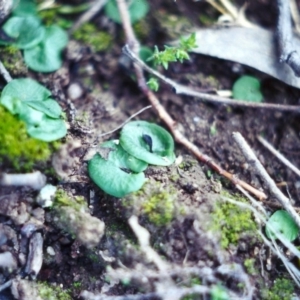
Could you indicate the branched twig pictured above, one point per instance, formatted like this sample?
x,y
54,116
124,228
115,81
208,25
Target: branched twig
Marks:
x,y
162,113
278,155
285,38
275,191
184,90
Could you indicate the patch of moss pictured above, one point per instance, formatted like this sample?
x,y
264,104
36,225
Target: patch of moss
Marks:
x,y
51,292
16,147
231,221
51,16
13,61
249,266
154,201
91,35
63,199
282,289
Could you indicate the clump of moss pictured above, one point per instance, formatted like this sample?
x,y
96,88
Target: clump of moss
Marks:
x,y
51,16
231,221
51,292
154,201
13,61
63,199
16,147
282,289
249,265
91,35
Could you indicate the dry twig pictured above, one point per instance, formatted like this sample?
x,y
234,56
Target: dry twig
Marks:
x,y
275,191
278,155
162,113
184,90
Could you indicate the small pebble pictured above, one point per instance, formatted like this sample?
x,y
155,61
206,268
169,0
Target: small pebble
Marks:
x,y
75,91
46,195
50,251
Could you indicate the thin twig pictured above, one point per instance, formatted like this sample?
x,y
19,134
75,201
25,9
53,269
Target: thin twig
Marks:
x,y
163,114
184,90
278,155
88,15
285,38
275,191
5,73
120,126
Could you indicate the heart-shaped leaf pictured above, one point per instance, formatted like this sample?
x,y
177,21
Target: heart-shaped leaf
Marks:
x,y
148,142
48,129
111,179
137,10
27,31
282,222
46,56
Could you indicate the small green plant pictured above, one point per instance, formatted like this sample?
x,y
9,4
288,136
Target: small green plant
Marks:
x,y
138,9
282,289
247,88
153,84
173,54
118,166
42,45
31,103
282,222
218,292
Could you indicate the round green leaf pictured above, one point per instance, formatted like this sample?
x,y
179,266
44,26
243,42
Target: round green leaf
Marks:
x,y
111,179
121,158
137,10
137,136
25,89
48,129
49,107
247,88
46,56
282,222
25,8
27,31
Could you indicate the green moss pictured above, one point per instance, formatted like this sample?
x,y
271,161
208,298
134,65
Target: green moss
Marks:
x,y
249,265
12,60
16,147
282,289
159,208
50,292
63,199
51,16
91,35
154,201
231,221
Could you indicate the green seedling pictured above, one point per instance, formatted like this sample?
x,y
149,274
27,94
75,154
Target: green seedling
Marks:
x,y
46,56
118,170
283,223
148,142
42,45
247,88
174,54
153,84
137,10
31,102
108,169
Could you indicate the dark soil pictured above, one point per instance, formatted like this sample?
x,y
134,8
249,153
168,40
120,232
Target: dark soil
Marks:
x,y
109,95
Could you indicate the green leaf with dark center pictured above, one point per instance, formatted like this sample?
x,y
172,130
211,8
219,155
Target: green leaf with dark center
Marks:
x,y
26,31
148,142
111,179
282,222
46,56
